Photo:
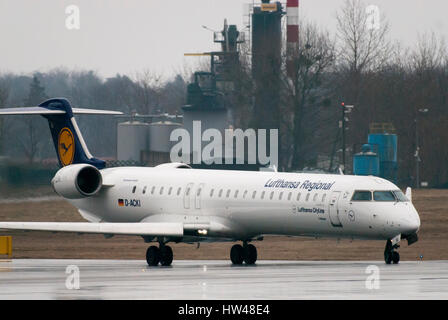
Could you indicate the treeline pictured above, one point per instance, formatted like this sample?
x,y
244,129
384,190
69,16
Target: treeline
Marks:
x,y
386,83
28,137
358,65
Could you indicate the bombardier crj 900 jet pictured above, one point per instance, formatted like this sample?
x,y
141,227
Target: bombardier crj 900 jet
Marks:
x,y
174,203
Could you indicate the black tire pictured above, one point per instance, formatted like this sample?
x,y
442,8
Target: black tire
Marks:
x,y
250,254
388,257
153,256
166,256
395,257
237,254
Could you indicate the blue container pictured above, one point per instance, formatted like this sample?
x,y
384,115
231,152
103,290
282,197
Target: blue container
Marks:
x,y
366,164
386,146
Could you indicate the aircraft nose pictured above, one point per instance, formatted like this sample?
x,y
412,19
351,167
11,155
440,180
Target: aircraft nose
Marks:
x,y
411,223
410,227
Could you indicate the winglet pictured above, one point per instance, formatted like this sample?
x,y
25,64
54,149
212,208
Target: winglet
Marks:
x,y
409,193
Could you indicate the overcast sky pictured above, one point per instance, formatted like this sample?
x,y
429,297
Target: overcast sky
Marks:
x,y
125,36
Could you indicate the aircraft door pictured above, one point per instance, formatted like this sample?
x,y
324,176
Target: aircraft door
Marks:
x,y
333,209
187,195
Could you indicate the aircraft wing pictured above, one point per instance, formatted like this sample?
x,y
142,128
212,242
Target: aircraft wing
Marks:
x,y
168,229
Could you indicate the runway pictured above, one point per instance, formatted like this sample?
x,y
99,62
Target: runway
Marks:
x,y
195,280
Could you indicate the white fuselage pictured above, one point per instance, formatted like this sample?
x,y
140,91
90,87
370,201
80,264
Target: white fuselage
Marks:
x,y
243,205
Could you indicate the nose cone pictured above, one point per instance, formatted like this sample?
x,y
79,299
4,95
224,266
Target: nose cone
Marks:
x,y
411,222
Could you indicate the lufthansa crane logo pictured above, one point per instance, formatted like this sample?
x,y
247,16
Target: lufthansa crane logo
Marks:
x,y
66,146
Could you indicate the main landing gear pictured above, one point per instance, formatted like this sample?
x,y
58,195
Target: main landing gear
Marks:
x,y
390,255
162,255
243,253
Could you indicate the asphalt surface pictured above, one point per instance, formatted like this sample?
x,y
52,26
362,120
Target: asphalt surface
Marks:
x,y
216,279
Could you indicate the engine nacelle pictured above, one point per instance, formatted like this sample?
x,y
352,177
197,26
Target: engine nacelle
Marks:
x,y
77,181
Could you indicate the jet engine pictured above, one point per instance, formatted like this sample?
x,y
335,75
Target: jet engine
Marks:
x,y
77,181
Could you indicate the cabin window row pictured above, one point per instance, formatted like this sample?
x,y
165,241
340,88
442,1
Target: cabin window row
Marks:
x,y
228,193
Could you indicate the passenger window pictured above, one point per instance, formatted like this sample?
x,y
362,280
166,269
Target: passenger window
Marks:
x,y
144,190
362,196
179,190
228,193
133,189
280,196
315,197
187,192
245,194
161,190
198,193
211,192
236,194
307,197
254,194
323,197
169,191
289,196
272,195
220,193
383,196
152,190
298,197
262,194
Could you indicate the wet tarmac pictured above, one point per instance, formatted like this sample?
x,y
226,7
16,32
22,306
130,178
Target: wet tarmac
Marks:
x,y
211,279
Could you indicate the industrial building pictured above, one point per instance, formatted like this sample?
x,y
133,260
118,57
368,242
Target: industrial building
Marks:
x,y
209,98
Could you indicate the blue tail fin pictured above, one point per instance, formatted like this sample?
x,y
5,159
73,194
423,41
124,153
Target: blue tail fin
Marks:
x,y
67,138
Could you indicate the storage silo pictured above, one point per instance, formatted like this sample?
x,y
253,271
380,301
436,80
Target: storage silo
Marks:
x,y
132,139
367,162
159,136
266,63
387,152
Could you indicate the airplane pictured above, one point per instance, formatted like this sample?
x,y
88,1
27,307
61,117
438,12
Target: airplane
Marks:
x,y
174,203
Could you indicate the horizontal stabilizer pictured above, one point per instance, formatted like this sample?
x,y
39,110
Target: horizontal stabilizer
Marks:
x,y
48,111
30,110
95,111
168,229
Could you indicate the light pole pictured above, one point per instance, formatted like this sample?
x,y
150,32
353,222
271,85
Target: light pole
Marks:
x,y
345,109
417,148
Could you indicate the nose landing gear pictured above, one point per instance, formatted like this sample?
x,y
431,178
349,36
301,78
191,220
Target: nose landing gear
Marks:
x,y
246,253
390,255
162,255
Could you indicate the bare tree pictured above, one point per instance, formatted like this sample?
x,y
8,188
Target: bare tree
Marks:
x,y
33,126
315,57
362,46
149,90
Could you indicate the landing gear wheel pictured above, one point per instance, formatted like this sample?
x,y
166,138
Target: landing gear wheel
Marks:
x,y
237,254
388,257
166,256
395,257
250,254
152,256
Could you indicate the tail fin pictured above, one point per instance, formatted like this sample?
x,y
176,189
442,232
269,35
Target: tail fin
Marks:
x,y
67,138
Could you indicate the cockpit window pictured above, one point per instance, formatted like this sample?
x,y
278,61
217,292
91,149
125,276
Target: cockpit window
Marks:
x,y
362,196
400,196
383,196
